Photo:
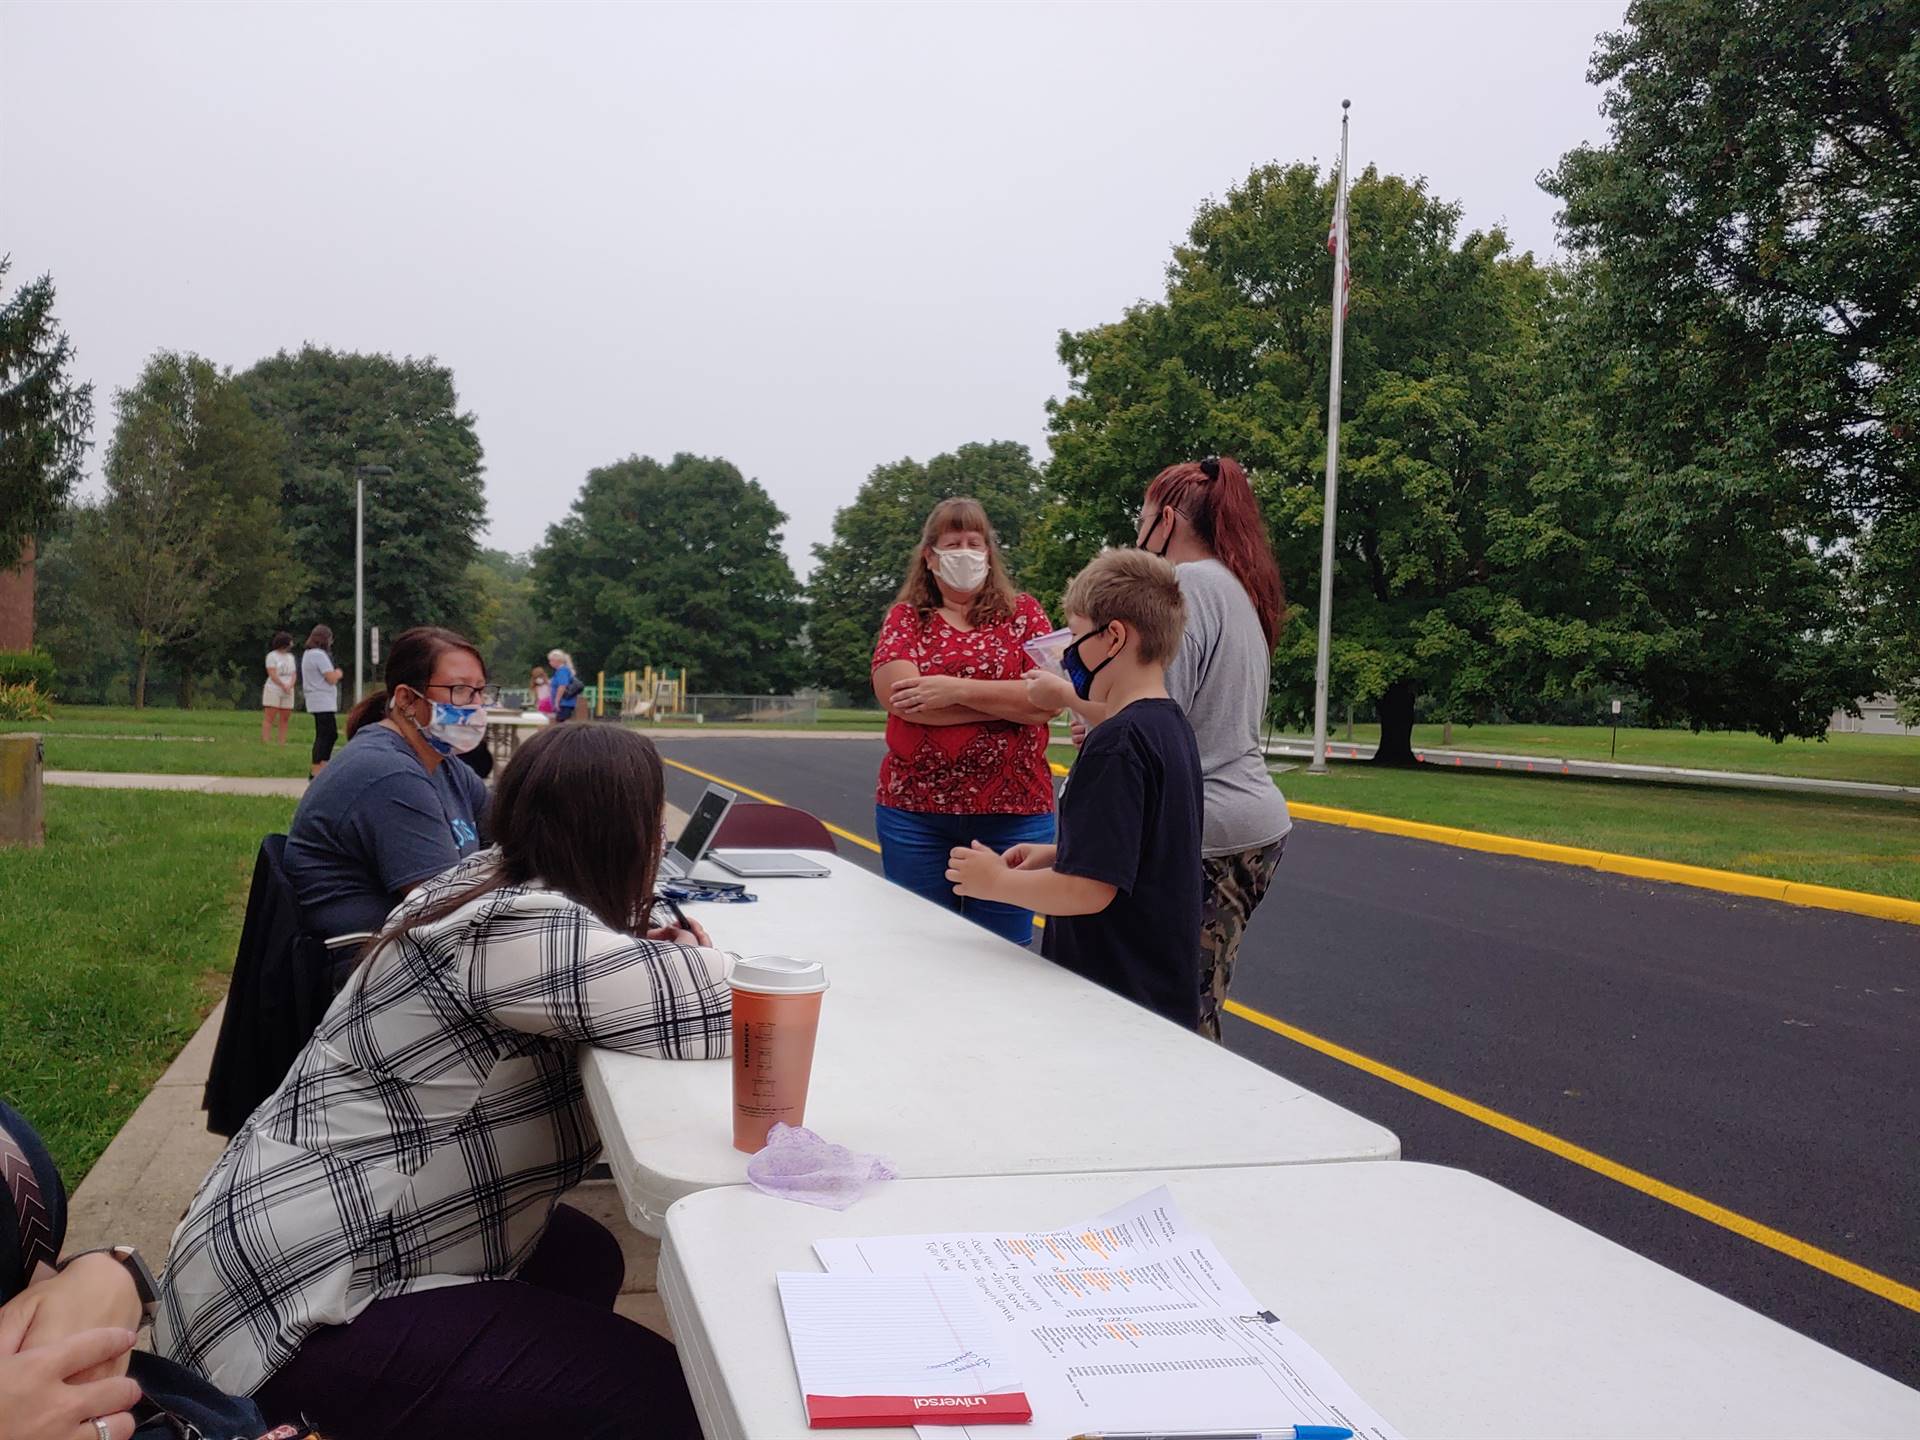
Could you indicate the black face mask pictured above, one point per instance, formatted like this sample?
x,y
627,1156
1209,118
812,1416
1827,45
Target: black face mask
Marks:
x,y
1078,675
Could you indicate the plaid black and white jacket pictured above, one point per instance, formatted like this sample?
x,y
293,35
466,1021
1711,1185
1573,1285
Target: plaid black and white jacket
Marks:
x,y
424,1134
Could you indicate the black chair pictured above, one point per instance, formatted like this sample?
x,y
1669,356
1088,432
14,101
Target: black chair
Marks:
x,y
284,978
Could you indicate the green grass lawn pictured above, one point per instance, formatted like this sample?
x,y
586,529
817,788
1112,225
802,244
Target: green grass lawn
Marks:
x,y
116,938
1871,845
170,742
1894,759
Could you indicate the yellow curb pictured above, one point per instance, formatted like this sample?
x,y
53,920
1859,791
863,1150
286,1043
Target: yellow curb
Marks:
x,y
1732,882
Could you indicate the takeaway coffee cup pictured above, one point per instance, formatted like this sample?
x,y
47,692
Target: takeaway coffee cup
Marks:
x,y
776,1014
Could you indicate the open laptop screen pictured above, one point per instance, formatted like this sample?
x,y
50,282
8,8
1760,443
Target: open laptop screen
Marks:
x,y
701,824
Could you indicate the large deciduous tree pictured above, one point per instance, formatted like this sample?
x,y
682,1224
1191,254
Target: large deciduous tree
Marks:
x,y
340,411
1751,231
673,565
1467,568
858,572
45,418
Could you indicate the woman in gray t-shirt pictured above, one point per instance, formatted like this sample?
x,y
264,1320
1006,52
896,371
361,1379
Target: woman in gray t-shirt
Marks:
x,y
320,683
1203,517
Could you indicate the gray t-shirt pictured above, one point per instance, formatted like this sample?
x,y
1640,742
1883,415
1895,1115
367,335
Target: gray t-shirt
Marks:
x,y
322,695
1220,680
373,824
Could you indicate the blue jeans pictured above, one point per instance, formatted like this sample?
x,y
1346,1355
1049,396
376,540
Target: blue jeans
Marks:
x,y
913,852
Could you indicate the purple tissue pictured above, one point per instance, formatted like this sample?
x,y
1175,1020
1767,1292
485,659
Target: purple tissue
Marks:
x,y
798,1165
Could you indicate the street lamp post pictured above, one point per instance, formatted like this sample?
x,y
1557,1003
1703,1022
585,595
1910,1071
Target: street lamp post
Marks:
x,y
361,473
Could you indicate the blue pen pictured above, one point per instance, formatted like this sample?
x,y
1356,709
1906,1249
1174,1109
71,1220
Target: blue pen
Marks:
x,y
1285,1432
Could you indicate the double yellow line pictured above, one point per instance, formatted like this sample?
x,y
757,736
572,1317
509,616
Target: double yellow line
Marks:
x,y
1859,1276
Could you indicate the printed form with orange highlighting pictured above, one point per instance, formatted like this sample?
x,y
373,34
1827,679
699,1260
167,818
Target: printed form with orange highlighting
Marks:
x,y
1131,1321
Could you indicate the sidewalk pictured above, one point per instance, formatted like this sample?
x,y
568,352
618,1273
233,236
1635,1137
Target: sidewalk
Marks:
x,y
205,784
1293,749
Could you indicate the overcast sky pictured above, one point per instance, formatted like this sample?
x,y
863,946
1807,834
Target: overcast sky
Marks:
x,y
810,240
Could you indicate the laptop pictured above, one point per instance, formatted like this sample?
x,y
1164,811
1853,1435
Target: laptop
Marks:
x,y
702,825
765,864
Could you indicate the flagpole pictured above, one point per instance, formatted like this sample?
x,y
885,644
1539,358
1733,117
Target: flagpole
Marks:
x,y
1323,658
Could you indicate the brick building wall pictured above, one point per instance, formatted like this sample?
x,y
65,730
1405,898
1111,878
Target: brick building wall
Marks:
x,y
16,603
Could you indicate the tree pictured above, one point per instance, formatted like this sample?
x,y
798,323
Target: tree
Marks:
x,y
231,459
1752,232
505,626
45,419
1468,564
338,411
151,565
673,565
858,572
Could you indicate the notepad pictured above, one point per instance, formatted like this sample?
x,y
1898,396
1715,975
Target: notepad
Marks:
x,y
898,1350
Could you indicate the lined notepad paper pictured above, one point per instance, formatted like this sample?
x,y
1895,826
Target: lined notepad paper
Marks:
x,y
898,1350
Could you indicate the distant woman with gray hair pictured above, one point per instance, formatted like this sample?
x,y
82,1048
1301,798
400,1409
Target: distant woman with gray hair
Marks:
x,y
566,684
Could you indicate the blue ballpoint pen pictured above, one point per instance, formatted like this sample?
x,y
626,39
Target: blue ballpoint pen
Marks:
x,y
1284,1432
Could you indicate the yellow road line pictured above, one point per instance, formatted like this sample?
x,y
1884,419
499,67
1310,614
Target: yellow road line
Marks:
x,y
1701,877
860,840
1872,1281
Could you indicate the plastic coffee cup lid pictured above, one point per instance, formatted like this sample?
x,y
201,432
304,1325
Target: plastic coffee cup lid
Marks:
x,y
777,975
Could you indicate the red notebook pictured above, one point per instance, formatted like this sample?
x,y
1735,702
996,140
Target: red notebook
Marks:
x,y
875,1350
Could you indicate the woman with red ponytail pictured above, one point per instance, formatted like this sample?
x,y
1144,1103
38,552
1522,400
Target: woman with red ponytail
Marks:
x,y
1202,516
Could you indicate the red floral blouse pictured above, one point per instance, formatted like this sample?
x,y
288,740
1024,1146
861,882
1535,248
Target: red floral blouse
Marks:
x,y
993,768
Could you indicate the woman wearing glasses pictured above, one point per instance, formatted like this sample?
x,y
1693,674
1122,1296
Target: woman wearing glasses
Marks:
x,y
390,812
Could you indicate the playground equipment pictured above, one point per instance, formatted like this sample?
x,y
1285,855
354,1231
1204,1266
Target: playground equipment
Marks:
x,y
650,694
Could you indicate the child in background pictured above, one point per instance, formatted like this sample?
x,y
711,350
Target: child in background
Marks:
x,y
1123,886
542,690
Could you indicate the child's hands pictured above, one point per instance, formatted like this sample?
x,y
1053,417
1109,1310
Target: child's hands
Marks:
x,y
1078,728
1046,691
975,871
1029,857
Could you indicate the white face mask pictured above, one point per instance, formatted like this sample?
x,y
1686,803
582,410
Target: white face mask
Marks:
x,y
962,569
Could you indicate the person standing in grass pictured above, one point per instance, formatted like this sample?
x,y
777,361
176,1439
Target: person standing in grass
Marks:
x,y
276,697
1203,517
320,681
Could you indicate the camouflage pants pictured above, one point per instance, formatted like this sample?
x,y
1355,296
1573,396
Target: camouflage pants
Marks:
x,y
1235,885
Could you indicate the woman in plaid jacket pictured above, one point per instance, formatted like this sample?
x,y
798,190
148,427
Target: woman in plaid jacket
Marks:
x,y
380,1247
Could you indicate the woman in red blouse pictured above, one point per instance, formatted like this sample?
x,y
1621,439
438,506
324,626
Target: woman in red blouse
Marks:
x,y
966,750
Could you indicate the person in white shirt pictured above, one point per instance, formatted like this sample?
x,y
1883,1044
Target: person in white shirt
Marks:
x,y
276,696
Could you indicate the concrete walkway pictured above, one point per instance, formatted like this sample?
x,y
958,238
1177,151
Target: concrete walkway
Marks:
x,y
204,784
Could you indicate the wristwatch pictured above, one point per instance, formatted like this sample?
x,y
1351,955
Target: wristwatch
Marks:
x,y
143,1282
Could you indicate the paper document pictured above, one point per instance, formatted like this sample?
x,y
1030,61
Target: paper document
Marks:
x,y
1131,1321
898,1350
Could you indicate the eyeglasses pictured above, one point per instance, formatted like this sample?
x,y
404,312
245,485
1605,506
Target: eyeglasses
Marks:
x,y
470,694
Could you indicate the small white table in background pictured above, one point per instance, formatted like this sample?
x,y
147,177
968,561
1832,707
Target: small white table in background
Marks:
x,y
1454,1307
951,1052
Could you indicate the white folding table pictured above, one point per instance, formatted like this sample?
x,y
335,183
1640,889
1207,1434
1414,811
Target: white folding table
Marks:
x,y
1454,1307
951,1052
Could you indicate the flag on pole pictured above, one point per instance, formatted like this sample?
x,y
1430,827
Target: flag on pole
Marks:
x,y
1337,241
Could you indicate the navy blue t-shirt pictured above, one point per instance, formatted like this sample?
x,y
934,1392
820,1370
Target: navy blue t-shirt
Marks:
x,y
373,824
1131,817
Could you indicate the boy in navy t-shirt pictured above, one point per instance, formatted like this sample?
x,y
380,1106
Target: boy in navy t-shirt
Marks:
x,y
1123,887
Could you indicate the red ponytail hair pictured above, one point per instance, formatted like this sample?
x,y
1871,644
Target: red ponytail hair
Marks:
x,y
1218,502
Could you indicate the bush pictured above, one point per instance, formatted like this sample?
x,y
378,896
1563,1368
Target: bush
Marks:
x,y
25,702
27,667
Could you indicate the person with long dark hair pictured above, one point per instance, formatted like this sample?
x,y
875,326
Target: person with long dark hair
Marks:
x,y
320,684
390,812
276,695
381,1249
966,749
1202,516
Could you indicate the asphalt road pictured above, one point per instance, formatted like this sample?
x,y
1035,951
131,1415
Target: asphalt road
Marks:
x,y
1761,1056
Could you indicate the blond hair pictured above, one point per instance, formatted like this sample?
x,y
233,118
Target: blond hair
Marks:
x,y
997,596
1137,588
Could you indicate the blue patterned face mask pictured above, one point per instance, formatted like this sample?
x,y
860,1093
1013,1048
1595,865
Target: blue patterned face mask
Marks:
x,y
455,729
1078,675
